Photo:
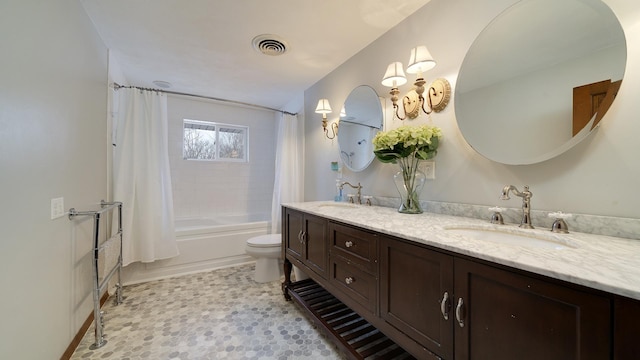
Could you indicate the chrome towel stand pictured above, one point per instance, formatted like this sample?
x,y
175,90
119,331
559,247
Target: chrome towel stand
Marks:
x,y
97,247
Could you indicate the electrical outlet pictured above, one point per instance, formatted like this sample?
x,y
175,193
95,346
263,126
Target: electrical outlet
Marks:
x,y
57,208
429,169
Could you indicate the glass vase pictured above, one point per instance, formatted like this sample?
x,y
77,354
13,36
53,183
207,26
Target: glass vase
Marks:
x,y
409,182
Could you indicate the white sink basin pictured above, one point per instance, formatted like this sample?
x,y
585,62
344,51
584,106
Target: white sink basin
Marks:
x,y
512,236
339,205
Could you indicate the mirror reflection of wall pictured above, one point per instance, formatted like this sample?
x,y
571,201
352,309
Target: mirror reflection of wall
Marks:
x,y
514,95
359,122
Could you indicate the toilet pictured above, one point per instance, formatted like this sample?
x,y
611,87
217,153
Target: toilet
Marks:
x,y
266,249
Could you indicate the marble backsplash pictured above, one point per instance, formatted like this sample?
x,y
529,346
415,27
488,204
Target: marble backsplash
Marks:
x,y
627,228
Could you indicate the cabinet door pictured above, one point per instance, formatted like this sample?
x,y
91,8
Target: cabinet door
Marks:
x,y
625,329
504,315
413,281
316,242
293,228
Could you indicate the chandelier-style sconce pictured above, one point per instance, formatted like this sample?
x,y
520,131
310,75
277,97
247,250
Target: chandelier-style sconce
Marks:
x,y
324,108
438,93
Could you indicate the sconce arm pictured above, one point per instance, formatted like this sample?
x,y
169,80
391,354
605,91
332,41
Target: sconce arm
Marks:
x,y
394,100
334,128
430,92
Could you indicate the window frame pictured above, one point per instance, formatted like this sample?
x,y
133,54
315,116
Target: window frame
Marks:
x,y
216,128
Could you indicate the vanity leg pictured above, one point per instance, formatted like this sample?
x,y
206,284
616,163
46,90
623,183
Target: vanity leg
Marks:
x,y
287,279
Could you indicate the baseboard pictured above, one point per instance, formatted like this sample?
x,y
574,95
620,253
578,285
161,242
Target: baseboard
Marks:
x,y
83,330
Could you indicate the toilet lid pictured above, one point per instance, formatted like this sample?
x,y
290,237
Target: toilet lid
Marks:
x,y
271,240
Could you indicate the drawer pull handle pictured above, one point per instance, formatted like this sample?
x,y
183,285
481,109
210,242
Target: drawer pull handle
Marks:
x,y
460,312
304,237
348,280
348,244
300,236
445,305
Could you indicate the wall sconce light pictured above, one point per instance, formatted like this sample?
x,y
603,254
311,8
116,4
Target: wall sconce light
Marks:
x,y
438,94
324,108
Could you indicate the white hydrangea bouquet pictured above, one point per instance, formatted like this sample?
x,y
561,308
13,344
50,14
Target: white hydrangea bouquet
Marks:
x,y
407,146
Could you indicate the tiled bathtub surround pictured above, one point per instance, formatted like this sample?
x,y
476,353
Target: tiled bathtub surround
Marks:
x,y
212,188
221,314
591,224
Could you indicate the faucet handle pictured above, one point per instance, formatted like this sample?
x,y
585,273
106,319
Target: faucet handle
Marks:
x,y
559,225
496,218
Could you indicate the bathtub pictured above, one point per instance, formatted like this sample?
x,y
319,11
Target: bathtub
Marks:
x,y
204,244
188,227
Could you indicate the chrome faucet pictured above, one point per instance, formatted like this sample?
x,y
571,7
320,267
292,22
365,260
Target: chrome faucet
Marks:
x,y
526,203
358,187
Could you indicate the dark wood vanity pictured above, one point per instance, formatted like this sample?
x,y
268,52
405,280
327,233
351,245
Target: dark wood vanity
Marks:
x,y
437,304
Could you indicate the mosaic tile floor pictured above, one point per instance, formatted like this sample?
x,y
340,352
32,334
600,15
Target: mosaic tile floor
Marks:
x,y
222,314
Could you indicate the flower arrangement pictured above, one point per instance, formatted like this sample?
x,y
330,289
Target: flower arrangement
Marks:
x,y
416,142
407,146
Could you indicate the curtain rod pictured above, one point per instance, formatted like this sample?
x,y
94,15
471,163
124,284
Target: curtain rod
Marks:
x,y
117,86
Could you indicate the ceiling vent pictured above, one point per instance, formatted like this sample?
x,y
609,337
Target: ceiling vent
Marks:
x,y
269,44
162,84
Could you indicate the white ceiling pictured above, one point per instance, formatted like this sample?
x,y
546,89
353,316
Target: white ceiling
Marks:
x,y
204,47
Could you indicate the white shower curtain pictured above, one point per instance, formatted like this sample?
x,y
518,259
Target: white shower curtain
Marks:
x,y
142,180
289,180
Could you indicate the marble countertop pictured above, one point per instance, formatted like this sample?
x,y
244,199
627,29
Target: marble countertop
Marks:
x,y
601,262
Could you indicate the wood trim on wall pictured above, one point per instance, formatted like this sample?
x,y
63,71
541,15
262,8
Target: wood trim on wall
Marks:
x,y
83,329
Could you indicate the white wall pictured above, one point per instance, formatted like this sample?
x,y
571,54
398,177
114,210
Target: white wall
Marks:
x,y
206,188
53,143
598,176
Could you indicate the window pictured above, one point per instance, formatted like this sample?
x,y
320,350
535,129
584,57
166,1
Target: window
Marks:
x,y
204,140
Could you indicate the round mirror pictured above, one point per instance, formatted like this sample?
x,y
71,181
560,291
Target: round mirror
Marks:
x,y
360,120
539,78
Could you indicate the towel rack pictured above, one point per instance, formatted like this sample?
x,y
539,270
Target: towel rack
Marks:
x,y
99,286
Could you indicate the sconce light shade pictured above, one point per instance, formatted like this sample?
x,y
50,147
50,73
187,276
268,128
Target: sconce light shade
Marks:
x,y
323,107
420,60
394,76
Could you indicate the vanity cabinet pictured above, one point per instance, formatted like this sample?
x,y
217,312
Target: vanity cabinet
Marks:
x,y
305,241
440,304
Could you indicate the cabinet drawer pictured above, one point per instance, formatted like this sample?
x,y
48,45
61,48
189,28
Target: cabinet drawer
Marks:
x,y
358,246
352,281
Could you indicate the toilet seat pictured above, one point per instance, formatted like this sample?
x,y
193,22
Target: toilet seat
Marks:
x,y
265,241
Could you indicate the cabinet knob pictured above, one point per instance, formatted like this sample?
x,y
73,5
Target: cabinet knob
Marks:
x,y
348,244
445,305
460,312
348,280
